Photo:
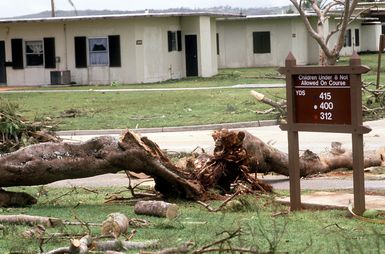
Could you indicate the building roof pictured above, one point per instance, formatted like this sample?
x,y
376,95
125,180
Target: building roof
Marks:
x,y
119,16
280,16
270,16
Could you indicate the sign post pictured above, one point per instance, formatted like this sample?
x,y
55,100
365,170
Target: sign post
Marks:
x,y
325,99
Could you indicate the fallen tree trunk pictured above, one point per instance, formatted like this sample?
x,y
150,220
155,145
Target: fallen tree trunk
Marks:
x,y
264,158
48,162
236,155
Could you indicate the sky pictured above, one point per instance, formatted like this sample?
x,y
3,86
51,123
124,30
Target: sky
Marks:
x,y
11,8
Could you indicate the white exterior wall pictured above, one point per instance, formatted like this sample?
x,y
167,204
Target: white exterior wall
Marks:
x,y
154,62
32,75
370,36
286,34
143,48
207,41
348,50
148,62
280,39
205,30
103,74
232,44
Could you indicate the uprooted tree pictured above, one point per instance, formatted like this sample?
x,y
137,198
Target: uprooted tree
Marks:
x,y
236,155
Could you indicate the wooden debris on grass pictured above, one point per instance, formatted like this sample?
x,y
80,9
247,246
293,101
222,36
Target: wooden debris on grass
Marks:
x,y
156,208
16,132
115,225
30,220
276,107
36,232
86,244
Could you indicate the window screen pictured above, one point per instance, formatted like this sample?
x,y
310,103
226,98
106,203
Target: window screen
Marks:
x,y
34,53
98,51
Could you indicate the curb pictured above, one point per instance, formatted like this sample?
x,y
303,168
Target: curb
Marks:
x,y
173,129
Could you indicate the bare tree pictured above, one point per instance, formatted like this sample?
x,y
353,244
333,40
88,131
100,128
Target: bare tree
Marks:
x,y
323,8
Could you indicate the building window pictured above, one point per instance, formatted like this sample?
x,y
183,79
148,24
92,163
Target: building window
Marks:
x,y
261,42
98,51
348,38
101,51
174,41
357,37
34,53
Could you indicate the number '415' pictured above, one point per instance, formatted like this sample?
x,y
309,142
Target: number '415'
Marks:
x,y
325,96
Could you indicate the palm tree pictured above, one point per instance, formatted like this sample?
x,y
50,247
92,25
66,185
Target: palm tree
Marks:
x,y
53,7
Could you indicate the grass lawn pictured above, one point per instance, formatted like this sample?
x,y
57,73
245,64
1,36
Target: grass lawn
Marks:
x,y
143,109
264,225
96,110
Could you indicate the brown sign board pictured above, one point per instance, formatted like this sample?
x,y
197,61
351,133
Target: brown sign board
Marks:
x,y
322,98
325,99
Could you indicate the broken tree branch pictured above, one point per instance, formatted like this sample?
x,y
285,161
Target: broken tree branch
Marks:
x,y
30,220
224,203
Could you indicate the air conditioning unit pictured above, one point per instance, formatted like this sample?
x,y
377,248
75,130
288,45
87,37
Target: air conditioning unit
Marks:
x,y
60,77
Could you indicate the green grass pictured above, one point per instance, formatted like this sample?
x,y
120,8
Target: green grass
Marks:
x,y
143,109
370,60
262,226
170,108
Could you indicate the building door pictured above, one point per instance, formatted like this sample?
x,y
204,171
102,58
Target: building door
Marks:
x,y
3,72
191,55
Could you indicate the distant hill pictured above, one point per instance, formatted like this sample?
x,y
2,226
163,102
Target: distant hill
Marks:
x,y
219,9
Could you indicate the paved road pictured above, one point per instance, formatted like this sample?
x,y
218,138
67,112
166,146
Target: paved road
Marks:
x,y
278,182
187,139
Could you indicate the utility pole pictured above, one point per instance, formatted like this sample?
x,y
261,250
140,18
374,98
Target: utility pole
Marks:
x,y
52,8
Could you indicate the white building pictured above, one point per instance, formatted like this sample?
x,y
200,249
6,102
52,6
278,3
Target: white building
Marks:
x,y
130,48
153,47
266,40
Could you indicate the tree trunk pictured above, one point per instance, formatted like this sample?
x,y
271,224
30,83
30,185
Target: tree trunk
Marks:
x,y
236,155
263,158
48,162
